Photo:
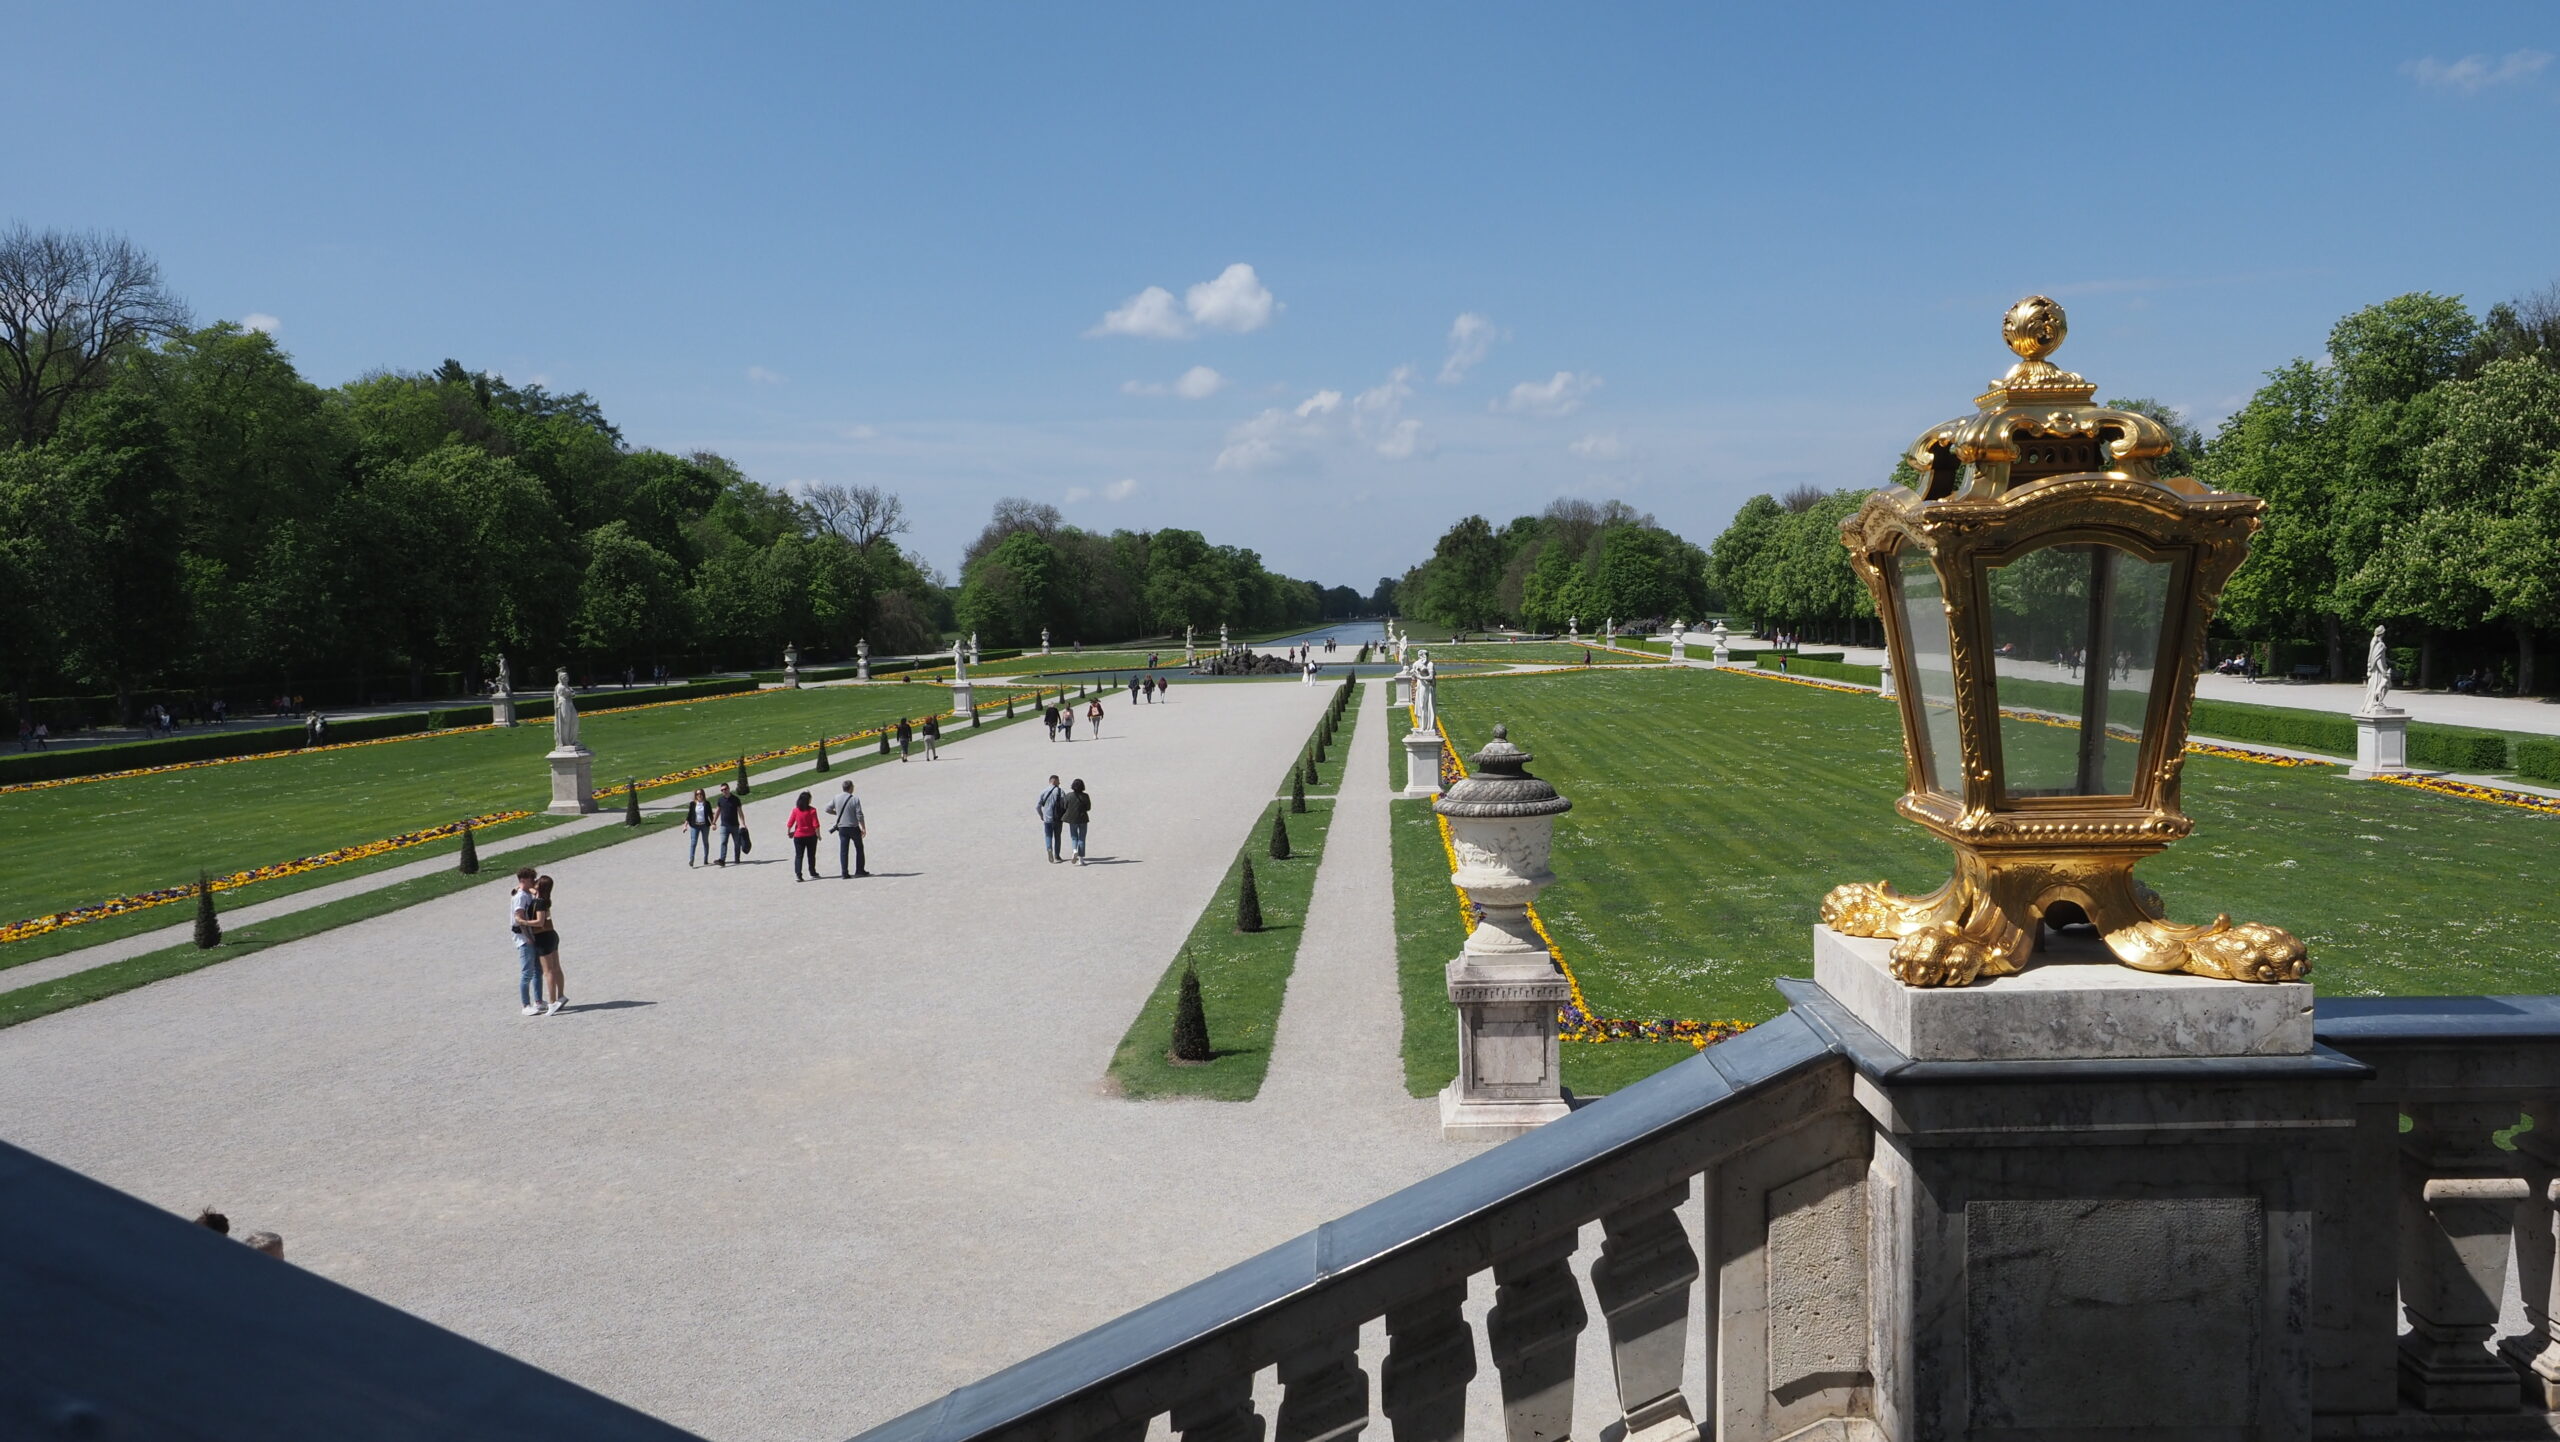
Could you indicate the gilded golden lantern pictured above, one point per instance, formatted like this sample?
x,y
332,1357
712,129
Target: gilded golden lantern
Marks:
x,y
2045,598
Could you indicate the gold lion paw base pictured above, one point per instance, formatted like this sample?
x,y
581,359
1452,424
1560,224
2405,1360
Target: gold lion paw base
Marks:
x,y
1984,921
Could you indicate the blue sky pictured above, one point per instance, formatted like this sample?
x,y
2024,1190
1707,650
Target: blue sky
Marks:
x,y
1709,251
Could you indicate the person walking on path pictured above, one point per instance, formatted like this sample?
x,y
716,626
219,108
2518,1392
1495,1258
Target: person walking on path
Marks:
x,y
1133,690
1067,720
732,818
849,829
520,912
1051,807
697,830
1049,718
1093,717
906,737
932,737
1078,812
802,826
546,944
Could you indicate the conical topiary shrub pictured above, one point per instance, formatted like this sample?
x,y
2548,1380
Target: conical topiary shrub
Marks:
x,y
822,755
209,930
631,802
469,864
884,740
1297,792
1248,901
974,721
1312,778
1190,1022
1279,837
742,776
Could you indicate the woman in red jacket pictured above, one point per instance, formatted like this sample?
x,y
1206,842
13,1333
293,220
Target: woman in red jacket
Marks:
x,y
803,830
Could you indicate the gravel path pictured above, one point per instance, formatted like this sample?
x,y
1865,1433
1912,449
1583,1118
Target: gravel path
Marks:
x,y
799,1157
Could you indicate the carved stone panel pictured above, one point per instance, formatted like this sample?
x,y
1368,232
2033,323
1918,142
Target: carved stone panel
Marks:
x,y
1818,1280
2167,1293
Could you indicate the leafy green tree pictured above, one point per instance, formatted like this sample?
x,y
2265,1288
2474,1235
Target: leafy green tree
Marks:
x,y
631,599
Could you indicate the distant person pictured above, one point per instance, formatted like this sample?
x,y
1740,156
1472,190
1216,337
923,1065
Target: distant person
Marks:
x,y
697,830
1093,717
1067,721
1051,808
1078,814
1049,718
846,811
802,827
546,945
1133,690
906,738
520,905
732,817
44,735
932,737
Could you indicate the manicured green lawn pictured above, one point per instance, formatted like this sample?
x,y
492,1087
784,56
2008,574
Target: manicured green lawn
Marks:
x,y
1244,979
1711,813
1533,653
71,845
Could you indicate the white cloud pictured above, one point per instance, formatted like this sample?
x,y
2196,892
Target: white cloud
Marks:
x,y
1401,441
764,377
1237,300
1196,384
259,321
858,433
1377,416
2474,73
1150,313
1326,420
1600,446
1121,489
1277,435
1322,403
1078,493
1471,338
1560,395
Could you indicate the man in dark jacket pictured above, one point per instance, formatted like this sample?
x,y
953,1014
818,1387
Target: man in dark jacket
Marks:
x,y
1051,807
733,824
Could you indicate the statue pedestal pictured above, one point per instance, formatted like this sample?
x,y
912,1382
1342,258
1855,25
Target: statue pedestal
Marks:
x,y
1422,763
964,697
502,709
2382,744
1508,1083
572,781
2076,1230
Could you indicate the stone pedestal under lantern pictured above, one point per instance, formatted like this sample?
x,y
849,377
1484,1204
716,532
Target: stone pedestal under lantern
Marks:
x,y
1504,984
2382,743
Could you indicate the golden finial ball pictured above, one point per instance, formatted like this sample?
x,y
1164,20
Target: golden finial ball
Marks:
x,y
2034,327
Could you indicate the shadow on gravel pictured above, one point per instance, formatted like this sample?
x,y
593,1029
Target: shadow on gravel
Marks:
x,y
603,1006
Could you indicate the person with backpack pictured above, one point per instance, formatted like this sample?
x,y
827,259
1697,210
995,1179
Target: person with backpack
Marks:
x,y
1077,812
1067,720
802,827
932,737
849,828
733,824
697,830
1093,717
1051,808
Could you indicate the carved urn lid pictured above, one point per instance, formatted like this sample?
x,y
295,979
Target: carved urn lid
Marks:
x,y
1499,784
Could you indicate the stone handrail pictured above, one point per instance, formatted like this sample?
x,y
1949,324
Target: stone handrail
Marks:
x,y
1627,1162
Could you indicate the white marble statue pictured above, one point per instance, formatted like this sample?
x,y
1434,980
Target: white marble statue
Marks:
x,y
1044,640
959,661
1426,692
502,692
564,715
1223,643
506,682
2377,674
862,659
973,647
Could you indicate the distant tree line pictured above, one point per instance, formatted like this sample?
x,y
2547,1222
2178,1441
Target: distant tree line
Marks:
x,y
1028,569
183,514
2412,475
1578,558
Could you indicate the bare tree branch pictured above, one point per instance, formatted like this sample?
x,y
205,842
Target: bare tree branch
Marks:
x,y
69,301
864,515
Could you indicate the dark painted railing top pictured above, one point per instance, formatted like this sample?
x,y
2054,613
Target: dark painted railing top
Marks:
x,y
2347,1021
1552,1154
118,1319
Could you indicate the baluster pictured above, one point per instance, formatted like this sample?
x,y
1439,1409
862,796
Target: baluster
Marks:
x,y
1224,1413
2457,1215
1643,1277
2536,1354
1537,1314
1324,1396
1431,1356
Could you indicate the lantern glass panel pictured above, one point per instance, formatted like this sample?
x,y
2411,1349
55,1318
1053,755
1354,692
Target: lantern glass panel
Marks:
x,y
1922,602
2075,637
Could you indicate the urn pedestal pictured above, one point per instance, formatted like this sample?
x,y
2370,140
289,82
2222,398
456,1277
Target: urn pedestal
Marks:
x,y
1505,985
572,781
2382,744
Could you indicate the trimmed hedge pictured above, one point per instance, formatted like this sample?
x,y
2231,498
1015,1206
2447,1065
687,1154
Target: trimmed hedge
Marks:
x,y
2457,748
2326,732
2538,758
209,745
